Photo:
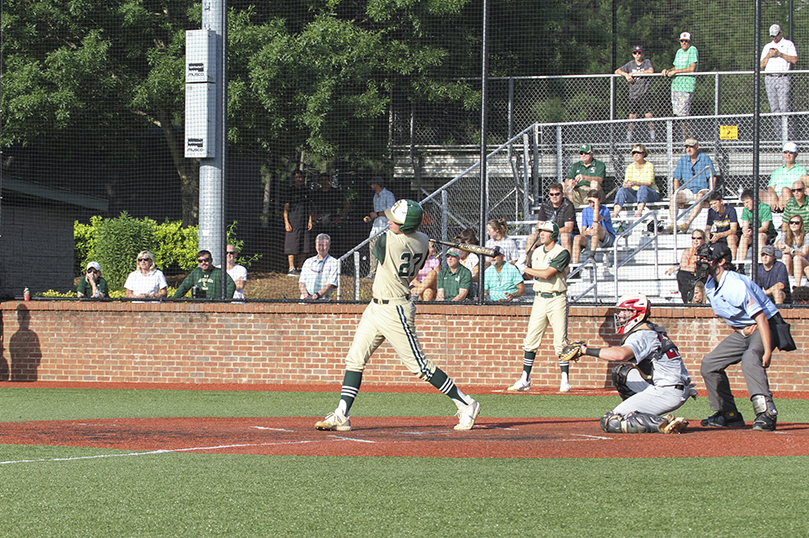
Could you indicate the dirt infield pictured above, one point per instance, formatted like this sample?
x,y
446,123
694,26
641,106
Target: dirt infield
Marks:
x,y
403,437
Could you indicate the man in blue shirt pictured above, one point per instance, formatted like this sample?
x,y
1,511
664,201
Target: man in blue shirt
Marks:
x,y
693,163
741,303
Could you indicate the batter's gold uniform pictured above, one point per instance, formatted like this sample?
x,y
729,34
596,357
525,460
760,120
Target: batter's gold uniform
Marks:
x,y
550,302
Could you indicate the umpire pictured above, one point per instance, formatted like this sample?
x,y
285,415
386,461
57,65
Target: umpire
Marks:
x,y
742,304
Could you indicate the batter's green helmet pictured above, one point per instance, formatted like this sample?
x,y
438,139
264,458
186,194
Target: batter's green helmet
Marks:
x,y
407,214
549,226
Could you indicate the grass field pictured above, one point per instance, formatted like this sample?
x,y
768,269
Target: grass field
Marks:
x,y
61,491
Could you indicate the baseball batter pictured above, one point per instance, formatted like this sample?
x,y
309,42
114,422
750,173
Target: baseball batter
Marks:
x,y
401,252
549,266
651,378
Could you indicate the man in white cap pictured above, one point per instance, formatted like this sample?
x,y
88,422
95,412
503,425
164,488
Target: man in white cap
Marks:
x,y
682,87
776,59
779,190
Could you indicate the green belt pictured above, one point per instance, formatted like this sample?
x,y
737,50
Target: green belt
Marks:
x,y
551,295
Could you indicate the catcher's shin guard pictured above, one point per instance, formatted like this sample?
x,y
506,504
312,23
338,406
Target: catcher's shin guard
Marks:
x,y
766,413
633,423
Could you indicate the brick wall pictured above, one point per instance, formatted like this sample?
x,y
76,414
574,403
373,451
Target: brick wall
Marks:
x,y
275,343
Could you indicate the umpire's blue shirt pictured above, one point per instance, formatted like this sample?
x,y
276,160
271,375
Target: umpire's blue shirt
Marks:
x,y
737,299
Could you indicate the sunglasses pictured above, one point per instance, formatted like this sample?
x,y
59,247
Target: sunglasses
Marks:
x,y
794,223
231,253
144,259
554,194
584,153
685,41
637,153
637,52
697,238
797,190
92,271
203,260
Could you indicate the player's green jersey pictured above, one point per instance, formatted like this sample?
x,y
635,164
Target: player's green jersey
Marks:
x,y
400,257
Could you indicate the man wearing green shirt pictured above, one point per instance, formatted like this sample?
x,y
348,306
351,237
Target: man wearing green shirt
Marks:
x,y
766,230
207,279
454,281
92,284
779,189
584,175
798,204
682,87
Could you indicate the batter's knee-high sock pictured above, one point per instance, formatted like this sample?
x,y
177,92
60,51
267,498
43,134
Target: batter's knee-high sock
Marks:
x,y
528,364
442,382
351,387
564,366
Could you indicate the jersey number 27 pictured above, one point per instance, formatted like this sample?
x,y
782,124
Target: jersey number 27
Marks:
x,y
410,263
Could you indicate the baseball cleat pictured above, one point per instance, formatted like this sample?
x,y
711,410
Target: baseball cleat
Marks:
x,y
724,419
334,422
564,387
675,425
520,386
764,423
467,415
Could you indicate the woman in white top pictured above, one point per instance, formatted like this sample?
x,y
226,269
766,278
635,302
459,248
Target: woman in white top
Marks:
x,y
497,230
146,280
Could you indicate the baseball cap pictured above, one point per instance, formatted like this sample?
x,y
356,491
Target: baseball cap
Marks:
x,y
685,36
691,142
715,251
94,265
775,30
454,252
585,148
769,250
791,147
376,180
638,48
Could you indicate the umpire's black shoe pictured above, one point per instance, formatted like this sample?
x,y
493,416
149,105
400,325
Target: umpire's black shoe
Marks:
x,y
764,422
724,419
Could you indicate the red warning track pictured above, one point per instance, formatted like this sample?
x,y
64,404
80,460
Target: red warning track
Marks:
x,y
404,437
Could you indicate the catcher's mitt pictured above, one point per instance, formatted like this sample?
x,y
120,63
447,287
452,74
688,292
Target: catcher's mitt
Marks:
x,y
571,351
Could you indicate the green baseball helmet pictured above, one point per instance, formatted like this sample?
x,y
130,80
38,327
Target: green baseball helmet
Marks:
x,y
407,214
549,226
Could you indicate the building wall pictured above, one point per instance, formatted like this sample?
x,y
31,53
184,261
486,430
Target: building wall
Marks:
x,y
276,343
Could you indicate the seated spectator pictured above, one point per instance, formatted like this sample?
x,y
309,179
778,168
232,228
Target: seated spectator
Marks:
x,y
596,227
584,175
766,231
319,273
773,277
794,243
797,205
693,163
454,281
699,293
560,210
686,272
779,190
92,284
502,281
147,280
497,230
639,183
468,259
237,272
205,281
423,287
723,218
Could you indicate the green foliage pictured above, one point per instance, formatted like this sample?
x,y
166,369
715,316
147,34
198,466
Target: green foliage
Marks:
x,y
84,243
239,244
118,243
175,244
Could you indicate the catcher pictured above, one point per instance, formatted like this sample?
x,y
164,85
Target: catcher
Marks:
x,y
651,377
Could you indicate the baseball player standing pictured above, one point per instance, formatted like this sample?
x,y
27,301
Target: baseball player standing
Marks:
x,y
742,304
401,252
651,378
549,266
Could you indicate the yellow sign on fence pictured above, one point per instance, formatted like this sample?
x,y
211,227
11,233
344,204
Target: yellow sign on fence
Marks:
x,y
728,132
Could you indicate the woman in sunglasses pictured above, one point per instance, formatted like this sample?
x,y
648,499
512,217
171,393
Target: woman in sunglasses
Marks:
x,y
794,243
639,183
92,284
146,280
686,272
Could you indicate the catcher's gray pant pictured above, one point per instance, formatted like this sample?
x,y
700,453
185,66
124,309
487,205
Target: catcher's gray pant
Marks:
x,y
734,349
653,400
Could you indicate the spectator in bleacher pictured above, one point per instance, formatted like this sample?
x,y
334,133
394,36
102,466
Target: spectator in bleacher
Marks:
x,y
797,205
147,280
766,231
794,243
686,272
92,284
297,223
497,231
773,277
725,222
640,99
502,281
454,282
776,59
596,227
383,199
699,293
469,260
639,183
693,163
320,273
586,174
560,210
237,272
205,281
423,287
682,87
779,190
329,208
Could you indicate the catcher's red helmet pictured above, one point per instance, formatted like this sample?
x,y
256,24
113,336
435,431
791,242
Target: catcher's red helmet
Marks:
x,y
640,310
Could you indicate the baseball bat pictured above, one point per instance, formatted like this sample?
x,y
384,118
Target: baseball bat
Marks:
x,y
477,249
